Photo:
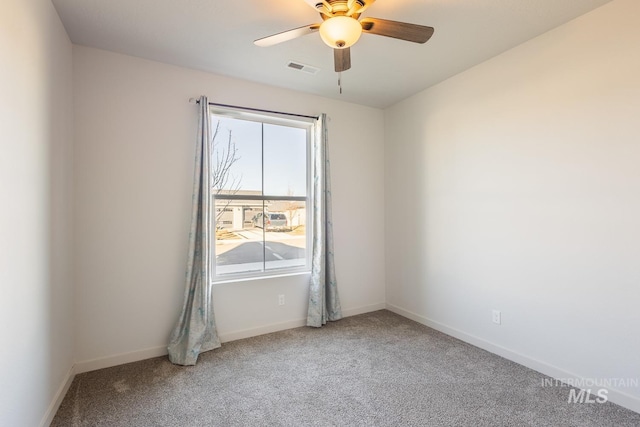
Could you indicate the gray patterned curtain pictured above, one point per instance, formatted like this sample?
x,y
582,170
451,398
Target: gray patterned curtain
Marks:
x,y
324,303
195,332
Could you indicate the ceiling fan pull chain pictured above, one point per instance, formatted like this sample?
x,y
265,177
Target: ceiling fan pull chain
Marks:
x,y
340,82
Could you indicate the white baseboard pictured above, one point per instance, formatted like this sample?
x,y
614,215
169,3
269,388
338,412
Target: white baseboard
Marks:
x,y
119,359
135,356
262,330
58,397
364,309
283,326
616,396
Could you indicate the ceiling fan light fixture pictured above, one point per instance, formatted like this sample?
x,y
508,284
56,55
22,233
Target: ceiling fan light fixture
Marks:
x,y
340,32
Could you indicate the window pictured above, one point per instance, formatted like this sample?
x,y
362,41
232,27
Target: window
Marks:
x,y
261,194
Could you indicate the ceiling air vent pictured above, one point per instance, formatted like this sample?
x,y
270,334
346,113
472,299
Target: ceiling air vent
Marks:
x,y
303,67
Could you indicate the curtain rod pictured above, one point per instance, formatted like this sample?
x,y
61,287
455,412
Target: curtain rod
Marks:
x,y
197,101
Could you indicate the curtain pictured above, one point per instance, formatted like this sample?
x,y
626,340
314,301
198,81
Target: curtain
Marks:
x,y
324,303
195,331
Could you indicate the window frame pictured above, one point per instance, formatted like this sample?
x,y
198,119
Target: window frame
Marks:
x,y
308,124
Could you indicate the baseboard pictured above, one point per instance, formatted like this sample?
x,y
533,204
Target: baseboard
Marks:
x,y
120,359
364,309
616,396
57,399
262,330
283,326
135,356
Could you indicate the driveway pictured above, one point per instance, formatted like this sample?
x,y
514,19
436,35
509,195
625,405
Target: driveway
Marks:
x,y
250,252
256,245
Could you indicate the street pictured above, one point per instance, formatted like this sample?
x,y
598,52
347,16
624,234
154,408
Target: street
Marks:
x,y
278,249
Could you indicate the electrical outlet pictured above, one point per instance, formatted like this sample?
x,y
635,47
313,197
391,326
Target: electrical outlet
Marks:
x,y
496,316
280,299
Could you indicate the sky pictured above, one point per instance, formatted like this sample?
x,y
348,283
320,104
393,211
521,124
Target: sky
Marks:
x,y
285,155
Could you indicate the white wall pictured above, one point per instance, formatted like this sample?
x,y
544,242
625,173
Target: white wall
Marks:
x,y
520,183
135,138
36,304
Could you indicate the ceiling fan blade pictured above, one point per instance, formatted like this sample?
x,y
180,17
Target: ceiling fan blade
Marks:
x,y
397,30
287,35
342,59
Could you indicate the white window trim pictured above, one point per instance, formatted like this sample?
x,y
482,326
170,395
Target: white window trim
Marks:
x,y
298,122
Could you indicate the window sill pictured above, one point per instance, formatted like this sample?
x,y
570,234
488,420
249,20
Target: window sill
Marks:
x,y
260,277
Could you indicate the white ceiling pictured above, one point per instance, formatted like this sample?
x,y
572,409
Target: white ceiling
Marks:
x,y
217,36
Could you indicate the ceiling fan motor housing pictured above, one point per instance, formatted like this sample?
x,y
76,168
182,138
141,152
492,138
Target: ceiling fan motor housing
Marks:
x,y
331,8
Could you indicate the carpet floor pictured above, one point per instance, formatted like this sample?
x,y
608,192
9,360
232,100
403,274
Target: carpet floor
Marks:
x,y
375,369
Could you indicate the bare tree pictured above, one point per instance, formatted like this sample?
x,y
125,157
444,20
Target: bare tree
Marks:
x,y
225,155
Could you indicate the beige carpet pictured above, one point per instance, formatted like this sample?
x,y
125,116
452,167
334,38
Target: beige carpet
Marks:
x,y
376,369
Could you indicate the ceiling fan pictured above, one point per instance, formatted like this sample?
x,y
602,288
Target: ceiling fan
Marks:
x,y
341,28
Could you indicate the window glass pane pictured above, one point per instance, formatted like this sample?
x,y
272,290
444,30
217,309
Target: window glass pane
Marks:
x,y
285,161
236,156
285,234
254,161
239,245
250,239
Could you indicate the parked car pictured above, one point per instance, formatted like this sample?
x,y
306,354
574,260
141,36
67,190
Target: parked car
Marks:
x,y
270,221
